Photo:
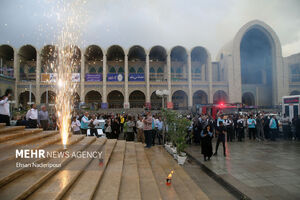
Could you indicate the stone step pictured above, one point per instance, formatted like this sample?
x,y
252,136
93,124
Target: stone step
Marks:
x,y
16,134
26,184
9,172
57,185
110,183
11,129
148,186
43,140
130,184
2,125
160,174
87,183
180,176
26,139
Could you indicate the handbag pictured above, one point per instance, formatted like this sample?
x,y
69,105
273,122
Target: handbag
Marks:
x,y
108,129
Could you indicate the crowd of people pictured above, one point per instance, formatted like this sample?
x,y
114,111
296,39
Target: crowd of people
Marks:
x,y
150,129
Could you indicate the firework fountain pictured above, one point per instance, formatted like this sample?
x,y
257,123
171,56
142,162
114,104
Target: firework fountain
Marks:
x,y
70,15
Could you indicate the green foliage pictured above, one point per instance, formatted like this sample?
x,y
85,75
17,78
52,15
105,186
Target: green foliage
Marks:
x,y
177,129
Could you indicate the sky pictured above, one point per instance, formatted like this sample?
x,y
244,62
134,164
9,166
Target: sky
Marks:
x,y
207,23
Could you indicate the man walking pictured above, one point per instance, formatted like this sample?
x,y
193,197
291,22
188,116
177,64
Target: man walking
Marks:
x,y
221,131
4,108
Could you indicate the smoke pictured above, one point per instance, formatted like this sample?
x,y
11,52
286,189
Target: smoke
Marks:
x,y
150,22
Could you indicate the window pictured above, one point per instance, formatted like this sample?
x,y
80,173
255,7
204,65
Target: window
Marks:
x,y
132,70
140,70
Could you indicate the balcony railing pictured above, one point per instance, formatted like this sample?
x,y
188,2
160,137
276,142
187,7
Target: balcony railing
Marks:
x,y
295,78
157,77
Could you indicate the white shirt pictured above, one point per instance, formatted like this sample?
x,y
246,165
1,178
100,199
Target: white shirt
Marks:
x,y
139,124
75,125
32,114
4,107
156,121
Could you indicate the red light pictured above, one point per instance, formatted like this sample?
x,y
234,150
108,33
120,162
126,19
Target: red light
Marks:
x,y
221,104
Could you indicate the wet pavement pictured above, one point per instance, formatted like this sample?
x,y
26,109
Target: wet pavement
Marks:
x,y
259,170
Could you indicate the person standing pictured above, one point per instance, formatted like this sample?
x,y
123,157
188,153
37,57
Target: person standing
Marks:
x,y
260,127
140,130
251,127
4,108
148,129
230,129
240,128
221,131
160,130
273,125
32,117
43,118
85,123
206,145
93,130
130,133
75,125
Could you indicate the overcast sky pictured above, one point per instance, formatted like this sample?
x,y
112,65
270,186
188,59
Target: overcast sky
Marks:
x,y
209,23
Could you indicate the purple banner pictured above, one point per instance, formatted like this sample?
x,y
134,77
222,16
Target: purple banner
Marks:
x,y
115,77
93,77
136,77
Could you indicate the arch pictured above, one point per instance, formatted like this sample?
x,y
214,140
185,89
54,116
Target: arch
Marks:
x,y
248,99
93,53
7,56
100,70
112,70
137,99
277,67
179,60
121,70
28,55
180,100
200,97
93,99
220,97
140,70
156,101
136,53
49,58
24,98
152,70
158,53
158,59
295,92
115,53
160,70
199,63
132,70
115,99
92,70
51,97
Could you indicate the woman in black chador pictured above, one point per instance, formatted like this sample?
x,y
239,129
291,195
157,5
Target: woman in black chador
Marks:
x,y
206,146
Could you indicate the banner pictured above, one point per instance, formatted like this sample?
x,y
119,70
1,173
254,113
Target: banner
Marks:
x,y
51,77
115,77
93,77
136,77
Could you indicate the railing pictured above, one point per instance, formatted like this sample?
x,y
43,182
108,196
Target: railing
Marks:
x,y
197,77
27,76
178,77
156,77
294,78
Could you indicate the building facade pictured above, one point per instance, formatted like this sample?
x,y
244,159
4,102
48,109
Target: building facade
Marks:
x,y
250,69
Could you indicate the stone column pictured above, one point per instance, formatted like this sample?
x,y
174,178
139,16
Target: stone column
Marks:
x,y
104,92
210,92
38,77
16,75
190,93
169,76
82,75
147,80
126,99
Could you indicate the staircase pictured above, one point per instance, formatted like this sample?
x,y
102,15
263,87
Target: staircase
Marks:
x,y
129,171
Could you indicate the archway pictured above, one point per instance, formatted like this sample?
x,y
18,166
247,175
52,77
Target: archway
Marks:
x,y
295,92
256,54
115,60
156,101
158,62
115,99
220,97
180,100
199,58
179,64
27,63
7,60
136,60
137,99
200,97
48,98
93,99
76,100
94,58
49,59
248,99
24,99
